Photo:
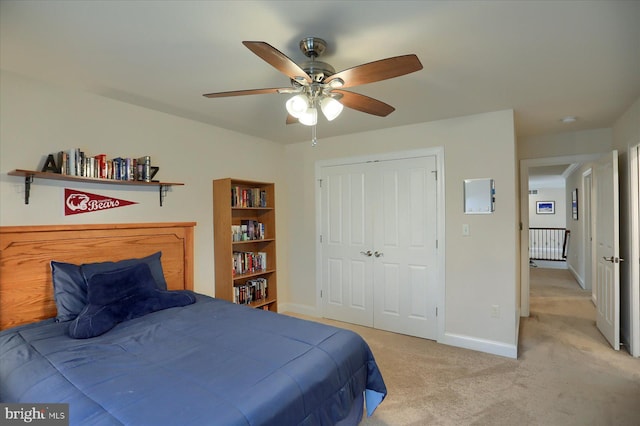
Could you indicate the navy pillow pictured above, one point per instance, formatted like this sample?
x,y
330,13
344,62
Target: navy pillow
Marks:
x,y
90,269
70,281
69,290
121,295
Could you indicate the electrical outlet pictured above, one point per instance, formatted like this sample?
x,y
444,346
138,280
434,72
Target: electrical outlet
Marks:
x,y
495,311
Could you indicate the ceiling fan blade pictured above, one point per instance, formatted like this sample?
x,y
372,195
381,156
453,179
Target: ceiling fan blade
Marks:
x,y
277,59
378,70
364,103
291,119
243,92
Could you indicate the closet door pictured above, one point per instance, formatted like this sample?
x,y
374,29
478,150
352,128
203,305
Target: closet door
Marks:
x,y
405,259
379,259
347,241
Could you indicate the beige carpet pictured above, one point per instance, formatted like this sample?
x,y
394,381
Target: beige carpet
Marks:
x,y
566,373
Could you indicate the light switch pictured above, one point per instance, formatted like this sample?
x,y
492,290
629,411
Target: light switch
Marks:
x,y
465,229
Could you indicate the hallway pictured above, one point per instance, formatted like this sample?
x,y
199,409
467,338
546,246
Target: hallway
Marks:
x,y
561,308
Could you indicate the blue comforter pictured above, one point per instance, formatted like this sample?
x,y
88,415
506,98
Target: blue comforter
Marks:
x,y
212,362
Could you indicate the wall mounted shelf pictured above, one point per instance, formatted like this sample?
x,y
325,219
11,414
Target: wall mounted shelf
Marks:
x,y
30,175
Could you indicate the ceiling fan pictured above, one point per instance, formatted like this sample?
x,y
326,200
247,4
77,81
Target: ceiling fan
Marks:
x,y
316,84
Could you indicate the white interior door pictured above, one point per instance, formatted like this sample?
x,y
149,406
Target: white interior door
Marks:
x,y
405,262
607,248
347,241
379,261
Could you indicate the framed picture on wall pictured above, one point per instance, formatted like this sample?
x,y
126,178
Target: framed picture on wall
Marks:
x,y
545,207
574,204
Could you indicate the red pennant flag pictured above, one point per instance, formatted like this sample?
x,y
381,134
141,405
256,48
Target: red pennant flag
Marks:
x,y
77,202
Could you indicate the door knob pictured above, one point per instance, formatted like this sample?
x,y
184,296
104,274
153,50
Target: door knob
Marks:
x,y
366,253
378,254
613,259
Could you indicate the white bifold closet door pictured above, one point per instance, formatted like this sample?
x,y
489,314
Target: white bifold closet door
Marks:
x,y
379,242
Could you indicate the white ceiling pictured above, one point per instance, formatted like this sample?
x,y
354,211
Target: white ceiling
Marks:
x,y
544,59
552,176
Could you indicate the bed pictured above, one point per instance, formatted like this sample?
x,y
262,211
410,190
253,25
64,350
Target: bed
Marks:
x,y
198,360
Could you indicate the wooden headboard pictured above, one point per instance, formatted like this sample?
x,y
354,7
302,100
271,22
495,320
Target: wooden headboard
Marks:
x,y
26,290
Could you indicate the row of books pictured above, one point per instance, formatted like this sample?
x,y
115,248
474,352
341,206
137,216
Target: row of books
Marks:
x,y
75,162
248,197
250,291
248,262
247,231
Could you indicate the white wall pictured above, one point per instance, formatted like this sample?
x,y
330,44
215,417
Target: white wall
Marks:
x,y
556,220
576,260
566,144
37,119
481,270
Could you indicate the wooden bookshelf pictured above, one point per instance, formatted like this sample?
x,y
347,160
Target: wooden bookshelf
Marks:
x,y
227,214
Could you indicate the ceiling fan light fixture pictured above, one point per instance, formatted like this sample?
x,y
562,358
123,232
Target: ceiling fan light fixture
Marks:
x,y
310,117
297,105
331,108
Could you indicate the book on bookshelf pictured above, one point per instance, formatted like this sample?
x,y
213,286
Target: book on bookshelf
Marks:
x,y
245,262
251,291
248,230
248,197
74,162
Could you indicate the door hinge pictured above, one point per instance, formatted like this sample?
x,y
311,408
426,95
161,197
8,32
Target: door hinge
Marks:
x,y
436,244
320,294
320,182
435,172
320,239
436,311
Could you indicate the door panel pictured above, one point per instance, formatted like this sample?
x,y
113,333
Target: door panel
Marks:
x,y
417,277
391,289
405,238
346,271
607,249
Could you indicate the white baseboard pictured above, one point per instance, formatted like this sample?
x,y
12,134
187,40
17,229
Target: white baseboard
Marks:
x,y
467,342
296,308
481,345
577,277
550,264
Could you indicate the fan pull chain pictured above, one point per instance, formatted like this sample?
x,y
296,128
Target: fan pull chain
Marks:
x,y
314,139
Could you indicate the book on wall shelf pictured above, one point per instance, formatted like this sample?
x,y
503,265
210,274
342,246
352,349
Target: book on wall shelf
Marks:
x,y
244,229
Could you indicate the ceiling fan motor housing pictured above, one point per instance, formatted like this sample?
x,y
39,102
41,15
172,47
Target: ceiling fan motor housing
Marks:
x,y
313,47
318,70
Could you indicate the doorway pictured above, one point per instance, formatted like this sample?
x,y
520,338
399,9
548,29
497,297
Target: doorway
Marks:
x,y
525,166
603,237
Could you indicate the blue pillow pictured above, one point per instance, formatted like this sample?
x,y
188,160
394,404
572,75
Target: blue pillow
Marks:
x,y
70,281
90,269
121,295
69,290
